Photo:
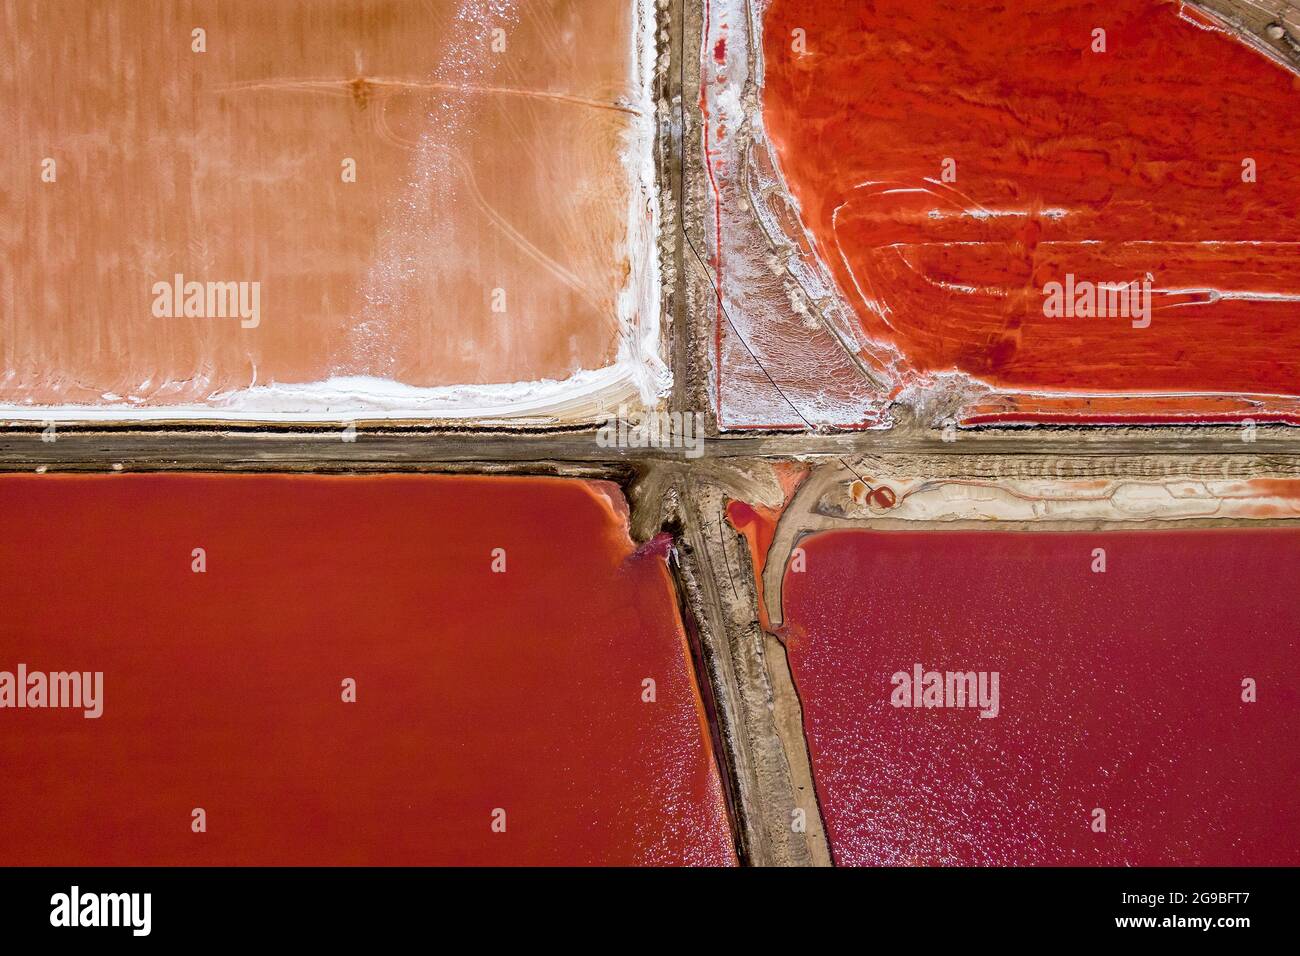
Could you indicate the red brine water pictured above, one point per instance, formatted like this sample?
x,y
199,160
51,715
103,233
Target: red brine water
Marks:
x,y
953,160
1119,691
477,690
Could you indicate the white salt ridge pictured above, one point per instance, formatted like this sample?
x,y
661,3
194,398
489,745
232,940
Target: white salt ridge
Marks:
x,y
368,397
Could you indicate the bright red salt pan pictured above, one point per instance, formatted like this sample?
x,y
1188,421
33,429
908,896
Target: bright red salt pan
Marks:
x,y
475,690
1105,165
1119,690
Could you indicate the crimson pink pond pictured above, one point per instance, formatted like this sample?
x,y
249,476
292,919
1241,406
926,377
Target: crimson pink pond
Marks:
x,y
1119,691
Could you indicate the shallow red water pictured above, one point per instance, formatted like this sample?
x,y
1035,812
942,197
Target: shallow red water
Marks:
x,y
757,523
1119,691
475,690
1105,165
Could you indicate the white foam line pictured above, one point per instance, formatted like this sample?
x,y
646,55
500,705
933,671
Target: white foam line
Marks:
x,y
1218,294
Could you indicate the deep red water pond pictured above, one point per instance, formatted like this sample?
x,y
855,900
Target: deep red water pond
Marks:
x,y
1119,691
476,690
